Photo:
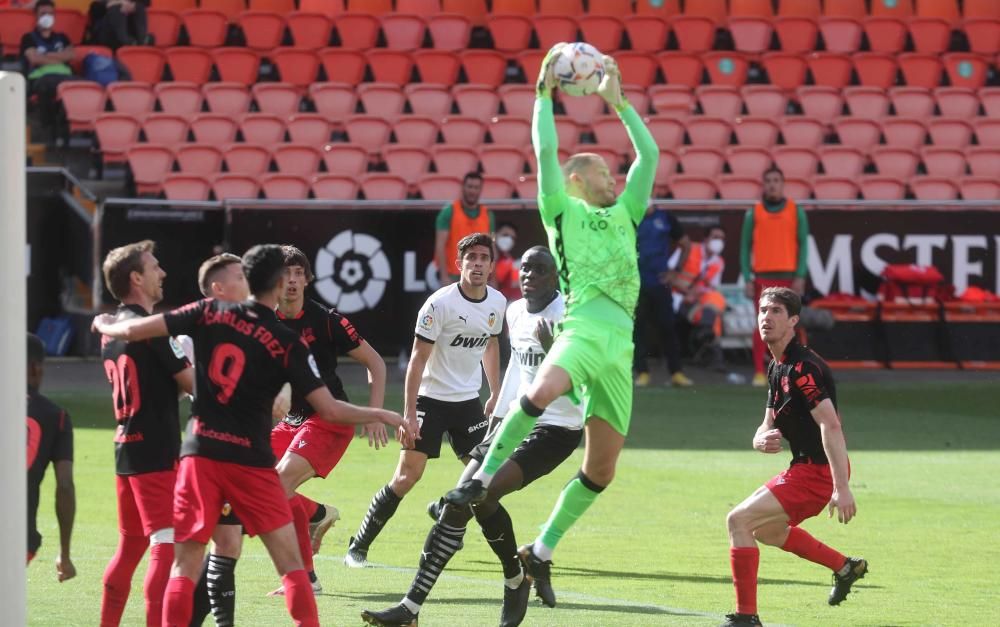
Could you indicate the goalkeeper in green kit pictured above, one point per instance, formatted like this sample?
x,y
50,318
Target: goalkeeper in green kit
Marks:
x,y
593,237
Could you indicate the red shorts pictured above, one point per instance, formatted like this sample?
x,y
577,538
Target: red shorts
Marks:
x,y
144,502
205,485
31,556
319,442
803,490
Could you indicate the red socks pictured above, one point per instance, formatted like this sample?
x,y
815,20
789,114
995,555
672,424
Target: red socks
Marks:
x,y
299,599
161,558
118,578
178,602
310,505
807,547
301,521
744,562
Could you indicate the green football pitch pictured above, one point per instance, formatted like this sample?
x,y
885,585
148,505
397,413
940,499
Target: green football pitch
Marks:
x,y
653,550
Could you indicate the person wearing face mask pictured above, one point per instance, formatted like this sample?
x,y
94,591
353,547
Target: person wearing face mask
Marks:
x,y
457,220
46,54
696,287
506,272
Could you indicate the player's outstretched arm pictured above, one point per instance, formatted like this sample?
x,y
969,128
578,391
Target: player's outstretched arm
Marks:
x,y
368,357
332,410
132,330
65,513
543,131
835,447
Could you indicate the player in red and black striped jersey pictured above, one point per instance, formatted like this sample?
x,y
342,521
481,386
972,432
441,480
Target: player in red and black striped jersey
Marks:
x,y
243,356
802,408
50,440
305,445
144,377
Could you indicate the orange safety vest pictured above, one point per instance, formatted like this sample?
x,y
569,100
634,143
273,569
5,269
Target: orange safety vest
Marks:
x,y
462,225
693,272
775,239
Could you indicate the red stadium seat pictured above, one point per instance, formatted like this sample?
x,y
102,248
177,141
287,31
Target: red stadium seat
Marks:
x,y
602,31
509,32
474,10
610,133
234,186
438,67
265,129
983,161
477,101
930,35
334,100
833,188
403,31
822,103
186,187
460,130
903,132
299,159
508,130
754,8
568,133
692,188
702,161
987,131
751,34
368,131
145,64
382,99
497,188
213,129
666,168
647,33
748,160
949,132
430,100
942,162
734,187
842,161
681,68
83,102
721,101
637,68
990,99
72,23
530,62
296,67
416,130
756,131
150,164
841,34
979,188
796,188
335,187
116,133
885,34
983,35
424,8
667,130
560,7
867,102
695,33
914,102
518,7
882,188
131,97
380,186
230,8
957,102
262,30
966,69
665,9
310,31
857,132
343,66
708,131
502,161
795,162
345,159
802,131
875,69
933,188
191,65
357,31
787,71
897,162
177,6
614,8
583,111
227,98
455,160
526,186
199,158
892,8
484,67
764,100
164,26
165,128
285,187
449,31
830,69
798,34
14,25
440,187
726,68
274,6
676,100
609,155
312,129
517,99
248,159
553,29
375,7
277,98
921,70
236,65
205,28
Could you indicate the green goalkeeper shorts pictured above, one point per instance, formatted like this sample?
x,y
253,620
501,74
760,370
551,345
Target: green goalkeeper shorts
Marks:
x,y
597,354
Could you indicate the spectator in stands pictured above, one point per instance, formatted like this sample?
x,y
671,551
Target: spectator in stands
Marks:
x,y
701,302
663,247
456,220
117,23
773,251
46,55
506,272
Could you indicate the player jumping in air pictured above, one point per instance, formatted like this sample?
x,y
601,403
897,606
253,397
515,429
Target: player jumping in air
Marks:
x,y
593,236
802,408
553,439
456,331
243,356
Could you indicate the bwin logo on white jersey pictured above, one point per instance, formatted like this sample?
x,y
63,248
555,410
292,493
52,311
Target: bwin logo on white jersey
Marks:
x,y
470,342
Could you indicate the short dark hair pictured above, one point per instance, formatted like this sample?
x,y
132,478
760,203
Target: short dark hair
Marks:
x,y
36,349
472,175
295,257
121,262
786,296
211,267
773,168
264,265
475,239
44,3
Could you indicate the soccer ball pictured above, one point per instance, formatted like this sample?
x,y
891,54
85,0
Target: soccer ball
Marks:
x,y
579,68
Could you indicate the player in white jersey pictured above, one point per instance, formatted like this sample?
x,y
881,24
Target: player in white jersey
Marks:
x,y
456,330
554,438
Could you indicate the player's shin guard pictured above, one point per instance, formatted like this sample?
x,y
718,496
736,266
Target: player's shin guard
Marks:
x,y
511,431
221,582
498,529
201,606
807,547
118,578
440,546
382,507
177,602
744,562
301,521
161,558
578,495
299,599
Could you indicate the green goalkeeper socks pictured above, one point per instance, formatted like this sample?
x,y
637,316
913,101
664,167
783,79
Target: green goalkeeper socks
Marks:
x,y
576,497
511,431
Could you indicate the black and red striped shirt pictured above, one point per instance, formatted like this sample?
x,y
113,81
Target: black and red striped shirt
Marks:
x,y
797,383
50,440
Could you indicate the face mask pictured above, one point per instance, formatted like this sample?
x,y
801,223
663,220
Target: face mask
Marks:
x,y
46,22
715,246
505,243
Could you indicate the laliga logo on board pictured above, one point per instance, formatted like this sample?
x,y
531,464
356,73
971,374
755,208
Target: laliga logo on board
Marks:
x,y
352,271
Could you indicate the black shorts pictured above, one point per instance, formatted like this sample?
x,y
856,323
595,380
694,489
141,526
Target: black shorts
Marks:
x,y
540,453
228,516
463,421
